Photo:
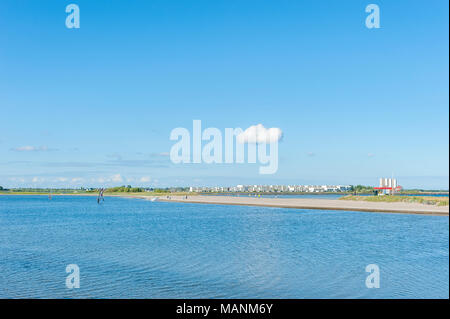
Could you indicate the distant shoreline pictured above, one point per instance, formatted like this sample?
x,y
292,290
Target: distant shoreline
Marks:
x,y
315,193
223,193
299,203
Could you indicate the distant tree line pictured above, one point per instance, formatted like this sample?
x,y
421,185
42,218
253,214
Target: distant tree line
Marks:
x,y
125,189
130,189
361,189
119,189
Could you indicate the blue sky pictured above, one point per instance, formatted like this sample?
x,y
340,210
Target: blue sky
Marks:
x,y
95,106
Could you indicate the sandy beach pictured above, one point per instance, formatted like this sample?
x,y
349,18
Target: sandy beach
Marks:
x,y
312,203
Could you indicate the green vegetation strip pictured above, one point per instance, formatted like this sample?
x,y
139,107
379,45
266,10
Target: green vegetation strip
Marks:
x,y
429,200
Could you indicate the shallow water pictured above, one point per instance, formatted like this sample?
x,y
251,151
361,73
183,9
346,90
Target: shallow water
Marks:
x,y
132,248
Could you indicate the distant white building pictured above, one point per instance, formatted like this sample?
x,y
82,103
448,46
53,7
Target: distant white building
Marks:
x,y
388,186
272,188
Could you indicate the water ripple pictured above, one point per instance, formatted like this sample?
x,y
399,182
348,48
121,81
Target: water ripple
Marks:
x,y
140,249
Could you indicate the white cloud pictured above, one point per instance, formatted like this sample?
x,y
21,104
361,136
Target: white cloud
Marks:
x,y
24,149
28,148
37,179
61,179
116,178
144,179
76,180
259,134
98,180
371,155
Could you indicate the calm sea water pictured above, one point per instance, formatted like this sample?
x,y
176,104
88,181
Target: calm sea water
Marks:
x,y
131,248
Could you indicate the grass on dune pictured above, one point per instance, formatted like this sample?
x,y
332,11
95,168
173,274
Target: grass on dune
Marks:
x,y
428,200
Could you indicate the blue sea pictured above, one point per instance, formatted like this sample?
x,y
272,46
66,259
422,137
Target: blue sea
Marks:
x,y
133,248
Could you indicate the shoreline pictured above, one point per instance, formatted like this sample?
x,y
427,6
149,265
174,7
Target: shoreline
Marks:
x,y
297,203
312,203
